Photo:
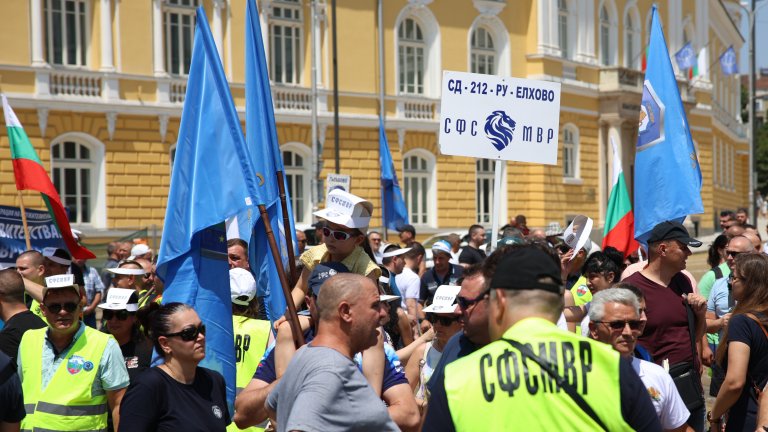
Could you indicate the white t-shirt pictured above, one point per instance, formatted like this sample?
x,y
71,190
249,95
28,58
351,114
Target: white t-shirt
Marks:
x,y
666,400
409,285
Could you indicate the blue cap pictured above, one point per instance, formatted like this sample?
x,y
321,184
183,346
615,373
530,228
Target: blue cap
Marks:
x,y
322,273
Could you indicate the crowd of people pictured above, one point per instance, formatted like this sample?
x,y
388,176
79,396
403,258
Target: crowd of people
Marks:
x,y
540,331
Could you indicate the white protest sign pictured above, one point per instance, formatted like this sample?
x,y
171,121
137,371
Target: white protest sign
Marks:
x,y
337,181
500,118
444,300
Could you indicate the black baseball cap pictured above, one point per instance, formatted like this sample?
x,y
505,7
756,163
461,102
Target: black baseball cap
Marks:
x,y
323,272
407,228
671,230
528,268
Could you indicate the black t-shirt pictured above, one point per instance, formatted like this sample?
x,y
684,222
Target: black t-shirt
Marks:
x,y
138,356
157,402
743,414
470,255
11,399
431,280
14,329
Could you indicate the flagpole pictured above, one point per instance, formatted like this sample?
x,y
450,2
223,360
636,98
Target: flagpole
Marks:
x,y
292,316
24,220
287,227
379,20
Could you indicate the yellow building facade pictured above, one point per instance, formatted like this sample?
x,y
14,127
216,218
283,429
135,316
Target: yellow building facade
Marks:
x,y
99,87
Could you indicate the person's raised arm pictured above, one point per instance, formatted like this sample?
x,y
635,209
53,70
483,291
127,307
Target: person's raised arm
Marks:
x,y
114,398
402,407
250,409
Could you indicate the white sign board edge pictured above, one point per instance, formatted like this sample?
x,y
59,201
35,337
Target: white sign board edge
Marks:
x,y
337,181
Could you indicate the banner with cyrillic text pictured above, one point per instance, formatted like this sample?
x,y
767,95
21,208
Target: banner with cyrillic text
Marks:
x,y
42,233
499,118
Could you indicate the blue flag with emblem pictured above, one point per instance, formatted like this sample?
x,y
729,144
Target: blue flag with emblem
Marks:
x,y
728,62
667,174
685,58
213,178
261,137
394,212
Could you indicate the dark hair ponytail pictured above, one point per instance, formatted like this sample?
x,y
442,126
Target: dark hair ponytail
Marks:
x,y
156,320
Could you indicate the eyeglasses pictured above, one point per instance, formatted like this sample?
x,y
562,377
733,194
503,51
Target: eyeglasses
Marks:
x,y
337,235
465,303
374,239
733,254
619,325
190,333
121,315
443,320
57,307
735,278
148,275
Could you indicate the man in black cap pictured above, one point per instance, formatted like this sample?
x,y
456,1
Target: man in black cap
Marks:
x,y
535,375
407,234
676,316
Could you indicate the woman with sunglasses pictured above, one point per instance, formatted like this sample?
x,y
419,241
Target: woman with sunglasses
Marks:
x,y
743,348
177,395
118,315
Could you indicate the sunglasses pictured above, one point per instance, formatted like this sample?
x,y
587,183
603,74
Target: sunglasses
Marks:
x,y
190,333
619,325
733,254
337,235
443,320
465,303
57,307
121,315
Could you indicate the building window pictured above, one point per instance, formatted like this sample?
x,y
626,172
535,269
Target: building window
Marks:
x,y
485,176
410,57
570,152
607,37
285,41
631,41
73,168
66,30
562,27
179,31
417,178
298,173
482,54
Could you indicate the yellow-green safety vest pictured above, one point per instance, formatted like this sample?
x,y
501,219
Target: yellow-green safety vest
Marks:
x,y
66,404
251,336
493,389
35,308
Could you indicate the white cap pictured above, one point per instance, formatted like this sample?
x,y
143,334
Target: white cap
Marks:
x,y
388,298
242,286
576,236
57,255
345,209
444,300
126,271
394,253
118,298
59,282
140,249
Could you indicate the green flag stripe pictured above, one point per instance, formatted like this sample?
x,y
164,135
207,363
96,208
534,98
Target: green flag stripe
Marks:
x,y
21,148
618,204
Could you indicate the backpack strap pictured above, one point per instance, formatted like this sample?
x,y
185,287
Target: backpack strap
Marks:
x,y
718,272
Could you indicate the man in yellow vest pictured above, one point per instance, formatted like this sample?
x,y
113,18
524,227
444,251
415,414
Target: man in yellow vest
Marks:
x,y
535,376
70,373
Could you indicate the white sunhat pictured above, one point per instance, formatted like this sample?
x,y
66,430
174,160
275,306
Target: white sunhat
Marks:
x,y
127,271
119,298
445,300
576,236
345,209
242,286
396,252
140,249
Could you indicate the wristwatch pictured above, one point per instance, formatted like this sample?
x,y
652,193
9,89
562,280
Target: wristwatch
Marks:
x,y
711,420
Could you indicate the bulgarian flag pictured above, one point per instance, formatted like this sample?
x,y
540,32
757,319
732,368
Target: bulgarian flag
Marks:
x,y
31,175
619,221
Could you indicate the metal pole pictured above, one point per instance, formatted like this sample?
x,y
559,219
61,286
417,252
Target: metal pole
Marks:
x,y
335,88
315,195
497,179
752,122
382,111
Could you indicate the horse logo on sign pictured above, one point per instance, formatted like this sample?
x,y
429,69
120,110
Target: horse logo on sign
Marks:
x,y
651,124
499,128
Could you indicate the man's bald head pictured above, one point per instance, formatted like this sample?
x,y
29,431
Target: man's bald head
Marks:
x,y
343,287
754,239
734,230
739,243
11,286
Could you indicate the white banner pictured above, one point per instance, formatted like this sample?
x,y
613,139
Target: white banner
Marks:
x,y
486,116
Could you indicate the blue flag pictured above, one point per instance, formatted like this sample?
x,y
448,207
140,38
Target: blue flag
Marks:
x,y
213,178
394,211
667,173
685,58
728,62
261,137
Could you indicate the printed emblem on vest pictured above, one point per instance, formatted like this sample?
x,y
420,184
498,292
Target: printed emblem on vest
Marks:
x,y
75,364
132,362
88,366
582,290
216,411
654,394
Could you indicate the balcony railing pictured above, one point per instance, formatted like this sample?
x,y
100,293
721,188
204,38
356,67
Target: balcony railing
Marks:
x,y
296,99
178,91
621,79
77,84
417,108
728,120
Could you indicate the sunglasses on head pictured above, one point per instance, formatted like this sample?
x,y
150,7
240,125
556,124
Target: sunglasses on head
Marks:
x,y
121,315
57,307
443,320
190,333
337,235
465,303
619,325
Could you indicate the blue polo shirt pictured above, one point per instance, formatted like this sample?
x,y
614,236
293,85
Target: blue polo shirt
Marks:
x,y
430,281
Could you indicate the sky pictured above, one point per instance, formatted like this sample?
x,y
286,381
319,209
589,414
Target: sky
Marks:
x,y
761,38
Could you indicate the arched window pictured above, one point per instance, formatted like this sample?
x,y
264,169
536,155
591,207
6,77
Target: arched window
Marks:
x,y
298,175
410,57
563,28
632,58
570,152
417,177
75,168
66,27
179,33
285,53
484,199
482,52
605,37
